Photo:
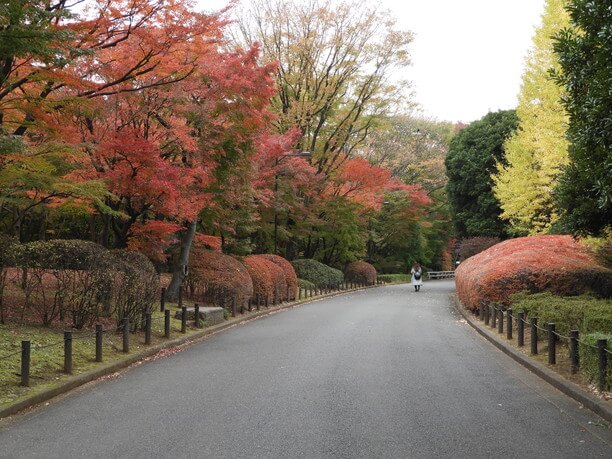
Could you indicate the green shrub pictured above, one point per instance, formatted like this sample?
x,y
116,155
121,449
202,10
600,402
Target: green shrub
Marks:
x,y
589,361
583,313
304,284
394,278
61,277
597,318
320,275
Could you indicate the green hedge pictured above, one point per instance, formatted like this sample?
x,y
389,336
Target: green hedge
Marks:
x,y
320,275
394,278
589,360
304,284
583,313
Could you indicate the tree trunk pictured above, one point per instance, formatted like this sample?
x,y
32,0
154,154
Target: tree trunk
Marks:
x,y
180,269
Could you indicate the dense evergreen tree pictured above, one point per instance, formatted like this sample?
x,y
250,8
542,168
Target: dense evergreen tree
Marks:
x,y
585,189
472,156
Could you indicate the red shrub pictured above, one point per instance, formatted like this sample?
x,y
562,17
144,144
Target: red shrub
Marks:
x,y
290,277
217,279
268,279
360,271
556,264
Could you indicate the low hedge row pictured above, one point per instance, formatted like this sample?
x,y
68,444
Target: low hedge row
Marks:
x,y
322,276
592,317
589,359
74,280
584,313
394,278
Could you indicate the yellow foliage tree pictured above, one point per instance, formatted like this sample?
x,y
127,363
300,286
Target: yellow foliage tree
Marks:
x,y
537,152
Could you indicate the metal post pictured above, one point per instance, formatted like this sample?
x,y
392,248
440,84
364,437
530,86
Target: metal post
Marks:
x,y
234,307
196,314
126,335
574,356
486,314
167,323
521,329
534,335
25,363
509,323
148,328
183,319
99,335
299,293
602,345
552,343
162,300
493,315
481,311
500,322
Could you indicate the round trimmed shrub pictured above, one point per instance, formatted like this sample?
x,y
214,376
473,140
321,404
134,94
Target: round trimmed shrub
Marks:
x,y
268,279
322,276
136,286
217,279
360,271
556,264
290,276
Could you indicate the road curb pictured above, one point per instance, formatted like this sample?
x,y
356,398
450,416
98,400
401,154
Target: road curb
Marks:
x,y
114,367
567,387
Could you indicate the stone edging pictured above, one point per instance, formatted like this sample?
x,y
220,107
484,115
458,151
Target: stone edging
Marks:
x,y
104,370
570,389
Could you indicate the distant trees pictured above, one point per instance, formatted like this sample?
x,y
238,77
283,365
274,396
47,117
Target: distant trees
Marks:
x,y
585,188
334,63
537,151
472,156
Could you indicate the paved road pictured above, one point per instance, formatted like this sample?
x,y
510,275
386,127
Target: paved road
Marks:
x,y
381,373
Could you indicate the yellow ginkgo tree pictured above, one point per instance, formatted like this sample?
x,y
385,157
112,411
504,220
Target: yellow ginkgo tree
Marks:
x,y
537,151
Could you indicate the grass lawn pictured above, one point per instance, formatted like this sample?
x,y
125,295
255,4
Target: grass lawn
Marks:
x,y
47,353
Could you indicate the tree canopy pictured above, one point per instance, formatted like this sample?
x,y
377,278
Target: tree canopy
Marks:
x,y
537,151
472,157
585,188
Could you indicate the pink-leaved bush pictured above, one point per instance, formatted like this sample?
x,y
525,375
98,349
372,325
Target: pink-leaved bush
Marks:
x,y
557,264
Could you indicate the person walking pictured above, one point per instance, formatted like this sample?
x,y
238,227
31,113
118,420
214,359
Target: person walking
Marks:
x,y
417,274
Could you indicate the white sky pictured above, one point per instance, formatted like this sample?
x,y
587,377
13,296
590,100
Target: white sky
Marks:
x,y
467,56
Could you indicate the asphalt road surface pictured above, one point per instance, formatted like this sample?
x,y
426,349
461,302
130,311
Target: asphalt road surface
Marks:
x,y
381,373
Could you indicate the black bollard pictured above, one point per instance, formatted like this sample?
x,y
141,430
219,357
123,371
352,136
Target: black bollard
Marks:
x,y
167,323
509,323
552,343
574,351
126,335
99,335
534,336
521,329
25,363
183,319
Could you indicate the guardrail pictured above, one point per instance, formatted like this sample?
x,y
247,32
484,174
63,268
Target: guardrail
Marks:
x,y
441,275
